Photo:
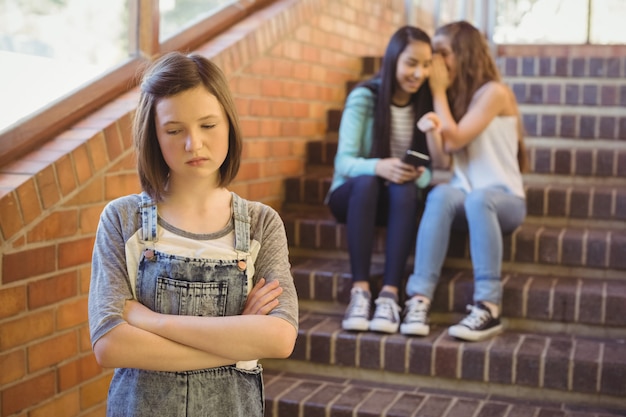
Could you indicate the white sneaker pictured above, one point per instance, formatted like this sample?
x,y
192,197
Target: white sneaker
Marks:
x,y
478,325
357,315
415,321
386,317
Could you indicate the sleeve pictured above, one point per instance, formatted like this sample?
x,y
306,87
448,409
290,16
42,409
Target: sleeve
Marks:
x,y
424,179
273,259
354,144
110,286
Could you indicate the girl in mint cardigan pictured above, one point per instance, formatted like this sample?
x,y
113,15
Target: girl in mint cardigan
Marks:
x,y
372,186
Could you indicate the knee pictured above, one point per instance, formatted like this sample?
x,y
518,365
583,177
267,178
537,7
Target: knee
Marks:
x,y
365,183
479,201
441,197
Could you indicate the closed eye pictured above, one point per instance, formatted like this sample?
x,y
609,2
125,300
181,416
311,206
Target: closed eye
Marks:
x,y
208,126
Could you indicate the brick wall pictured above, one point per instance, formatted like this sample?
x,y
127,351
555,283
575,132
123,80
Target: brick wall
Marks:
x,y
286,65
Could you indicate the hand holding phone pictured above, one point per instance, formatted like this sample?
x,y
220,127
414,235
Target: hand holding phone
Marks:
x,y
415,158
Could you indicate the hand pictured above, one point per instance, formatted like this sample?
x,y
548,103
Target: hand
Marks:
x,y
396,171
429,122
263,298
439,78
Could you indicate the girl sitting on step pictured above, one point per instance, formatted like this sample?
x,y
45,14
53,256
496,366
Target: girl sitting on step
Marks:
x,y
372,185
477,129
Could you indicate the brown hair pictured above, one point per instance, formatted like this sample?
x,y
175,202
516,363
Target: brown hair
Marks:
x,y
169,75
475,67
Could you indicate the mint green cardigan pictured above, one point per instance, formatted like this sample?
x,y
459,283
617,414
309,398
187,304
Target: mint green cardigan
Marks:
x,y
355,141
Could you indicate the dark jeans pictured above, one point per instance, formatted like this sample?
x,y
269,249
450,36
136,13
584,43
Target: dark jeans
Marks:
x,y
365,202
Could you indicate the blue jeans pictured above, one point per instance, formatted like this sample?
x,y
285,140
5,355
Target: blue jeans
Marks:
x,y
487,214
365,202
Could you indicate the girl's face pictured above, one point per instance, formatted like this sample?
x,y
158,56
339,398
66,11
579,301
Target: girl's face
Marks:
x,y
192,130
441,46
412,70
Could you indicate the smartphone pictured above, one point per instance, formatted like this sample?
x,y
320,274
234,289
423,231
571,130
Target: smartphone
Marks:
x,y
417,159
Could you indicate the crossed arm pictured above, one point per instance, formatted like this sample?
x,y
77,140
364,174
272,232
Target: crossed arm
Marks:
x,y
161,342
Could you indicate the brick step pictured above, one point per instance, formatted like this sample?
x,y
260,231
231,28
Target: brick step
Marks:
x,y
600,250
569,92
526,363
570,157
555,121
545,66
568,201
298,394
548,303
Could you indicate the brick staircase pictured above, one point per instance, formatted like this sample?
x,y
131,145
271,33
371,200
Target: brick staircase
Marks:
x,y
564,351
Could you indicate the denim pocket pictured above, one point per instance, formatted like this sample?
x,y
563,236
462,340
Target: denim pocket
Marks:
x,y
191,298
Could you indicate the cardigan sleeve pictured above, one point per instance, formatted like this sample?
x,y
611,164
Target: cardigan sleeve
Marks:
x,y
355,135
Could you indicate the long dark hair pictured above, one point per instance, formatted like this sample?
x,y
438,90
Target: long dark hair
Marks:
x,y
384,84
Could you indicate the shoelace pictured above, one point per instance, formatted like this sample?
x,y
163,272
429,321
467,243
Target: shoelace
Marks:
x,y
476,318
417,311
359,306
386,308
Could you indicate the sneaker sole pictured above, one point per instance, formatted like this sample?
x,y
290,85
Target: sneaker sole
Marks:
x,y
383,326
463,333
361,325
414,330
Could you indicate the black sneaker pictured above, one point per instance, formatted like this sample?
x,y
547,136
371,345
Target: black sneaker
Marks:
x,y
478,325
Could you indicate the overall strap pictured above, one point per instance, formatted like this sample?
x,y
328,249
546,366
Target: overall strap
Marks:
x,y
148,210
242,226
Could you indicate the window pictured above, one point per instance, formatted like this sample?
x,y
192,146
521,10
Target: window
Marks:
x,y
62,59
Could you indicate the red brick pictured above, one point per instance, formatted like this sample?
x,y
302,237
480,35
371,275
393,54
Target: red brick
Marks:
x,y
121,184
13,366
65,405
58,224
98,151
29,200
28,263
10,217
28,393
52,351
48,190
113,140
72,313
65,174
12,333
82,164
75,252
78,371
51,290
12,301
94,392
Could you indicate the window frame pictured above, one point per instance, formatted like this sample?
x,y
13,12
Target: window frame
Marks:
x,y
46,123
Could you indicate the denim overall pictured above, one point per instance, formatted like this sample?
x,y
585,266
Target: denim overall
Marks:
x,y
172,284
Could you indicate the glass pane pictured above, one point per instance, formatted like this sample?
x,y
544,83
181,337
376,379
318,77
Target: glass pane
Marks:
x,y
50,47
607,21
541,21
176,15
